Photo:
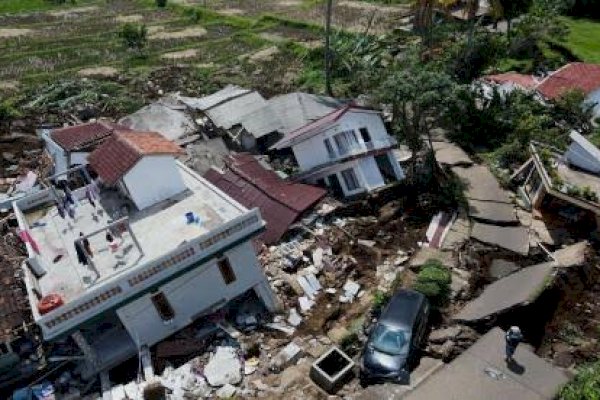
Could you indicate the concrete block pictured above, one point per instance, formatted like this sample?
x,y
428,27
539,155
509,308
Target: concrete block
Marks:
x,y
332,370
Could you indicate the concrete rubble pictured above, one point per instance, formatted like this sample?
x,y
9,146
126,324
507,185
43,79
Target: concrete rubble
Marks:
x,y
223,368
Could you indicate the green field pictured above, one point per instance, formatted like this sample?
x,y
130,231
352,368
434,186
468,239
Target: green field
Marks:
x,y
584,39
17,6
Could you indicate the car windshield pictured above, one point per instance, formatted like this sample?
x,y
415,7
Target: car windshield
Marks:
x,y
388,340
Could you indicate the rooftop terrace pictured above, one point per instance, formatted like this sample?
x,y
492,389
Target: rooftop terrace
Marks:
x,y
159,230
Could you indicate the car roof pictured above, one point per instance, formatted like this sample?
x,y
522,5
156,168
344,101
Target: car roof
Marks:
x,y
402,309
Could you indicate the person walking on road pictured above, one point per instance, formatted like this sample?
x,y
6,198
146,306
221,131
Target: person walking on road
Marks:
x,y
513,338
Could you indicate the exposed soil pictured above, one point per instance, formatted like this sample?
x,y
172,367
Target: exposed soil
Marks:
x,y
6,33
178,55
182,34
105,72
129,18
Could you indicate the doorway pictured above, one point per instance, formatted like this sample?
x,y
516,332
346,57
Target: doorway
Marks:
x,y
335,185
386,168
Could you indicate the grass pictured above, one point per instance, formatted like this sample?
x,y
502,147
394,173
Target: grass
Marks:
x,y
583,39
19,6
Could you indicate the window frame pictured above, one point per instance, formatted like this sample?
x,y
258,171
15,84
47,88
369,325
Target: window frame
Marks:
x,y
365,131
165,311
329,147
353,178
226,270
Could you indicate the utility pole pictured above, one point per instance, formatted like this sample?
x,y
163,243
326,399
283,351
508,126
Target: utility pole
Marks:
x,y
327,48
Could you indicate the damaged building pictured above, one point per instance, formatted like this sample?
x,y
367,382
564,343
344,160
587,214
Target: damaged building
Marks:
x,y
564,183
348,150
132,249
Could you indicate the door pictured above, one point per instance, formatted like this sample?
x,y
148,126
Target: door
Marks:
x,y
335,185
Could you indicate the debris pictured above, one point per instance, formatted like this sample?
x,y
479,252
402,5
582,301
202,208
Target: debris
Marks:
x,y
426,253
571,256
281,327
309,284
226,392
305,303
441,335
289,355
294,319
366,243
317,257
224,367
351,289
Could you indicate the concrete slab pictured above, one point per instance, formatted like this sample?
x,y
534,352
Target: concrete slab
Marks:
x,y
450,154
501,268
492,211
481,373
458,233
487,200
514,290
513,238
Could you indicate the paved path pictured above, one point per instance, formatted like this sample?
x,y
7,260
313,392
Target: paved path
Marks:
x,y
481,373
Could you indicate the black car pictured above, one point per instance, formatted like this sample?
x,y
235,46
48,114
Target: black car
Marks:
x,y
396,339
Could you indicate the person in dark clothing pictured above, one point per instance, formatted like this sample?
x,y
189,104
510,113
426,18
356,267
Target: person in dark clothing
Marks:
x,y
513,338
86,245
80,254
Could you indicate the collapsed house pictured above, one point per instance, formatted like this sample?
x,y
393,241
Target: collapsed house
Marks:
x,y
252,122
281,203
567,183
347,150
71,145
122,261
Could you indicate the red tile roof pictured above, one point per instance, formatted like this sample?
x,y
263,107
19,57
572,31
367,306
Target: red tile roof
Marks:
x,y
582,76
84,136
316,126
281,202
525,81
115,157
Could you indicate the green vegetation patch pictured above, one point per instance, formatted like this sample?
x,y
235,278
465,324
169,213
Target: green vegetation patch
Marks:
x,y
584,39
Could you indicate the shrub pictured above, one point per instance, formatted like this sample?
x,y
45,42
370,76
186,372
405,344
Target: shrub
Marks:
x,y
134,36
161,3
585,386
434,282
588,194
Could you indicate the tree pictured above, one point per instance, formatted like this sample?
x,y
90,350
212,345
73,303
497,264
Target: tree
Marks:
x,y
573,112
134,37
328,12
161,3
418,97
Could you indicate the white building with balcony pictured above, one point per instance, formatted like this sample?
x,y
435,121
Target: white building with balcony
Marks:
x,y
165,248
348,150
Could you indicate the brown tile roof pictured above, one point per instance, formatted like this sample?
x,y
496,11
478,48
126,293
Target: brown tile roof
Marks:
x,y
582,76
281,203
84,136
115,157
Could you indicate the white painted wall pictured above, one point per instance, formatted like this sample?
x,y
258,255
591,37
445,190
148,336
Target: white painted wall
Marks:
x,y
78,158
153,179
192,294
594,97
312,152
370,171
59,156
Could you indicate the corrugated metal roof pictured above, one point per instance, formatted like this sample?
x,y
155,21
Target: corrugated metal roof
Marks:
x,y
280,202
288,112
227,93
231,112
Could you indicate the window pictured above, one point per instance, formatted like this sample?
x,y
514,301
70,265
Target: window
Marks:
x,y
346,141
163,307
226,271
364,133
350,179
329,147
